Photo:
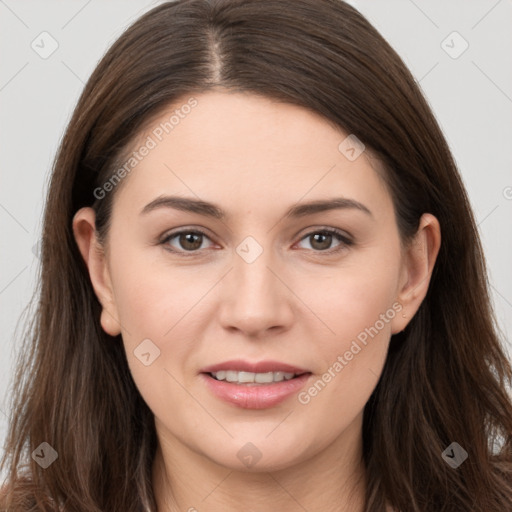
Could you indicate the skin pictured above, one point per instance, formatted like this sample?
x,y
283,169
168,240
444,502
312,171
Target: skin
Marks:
x,y
295,303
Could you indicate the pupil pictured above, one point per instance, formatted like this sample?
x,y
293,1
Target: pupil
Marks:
x,y
188,239
326,236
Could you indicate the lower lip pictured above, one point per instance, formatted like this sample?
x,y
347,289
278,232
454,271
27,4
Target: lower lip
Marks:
x,y
259,396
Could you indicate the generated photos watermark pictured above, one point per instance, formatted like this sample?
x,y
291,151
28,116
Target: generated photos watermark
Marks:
x,y
343,360
151,142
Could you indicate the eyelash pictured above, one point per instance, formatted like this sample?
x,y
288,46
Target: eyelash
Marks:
x,y
345,241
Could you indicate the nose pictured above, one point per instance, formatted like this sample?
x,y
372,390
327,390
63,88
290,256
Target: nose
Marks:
x,y
255,297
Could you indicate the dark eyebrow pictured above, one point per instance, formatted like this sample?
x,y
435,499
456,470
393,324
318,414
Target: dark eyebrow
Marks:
x,y
211,210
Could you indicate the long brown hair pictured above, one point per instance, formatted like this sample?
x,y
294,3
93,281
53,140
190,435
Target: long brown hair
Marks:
x,y
446,376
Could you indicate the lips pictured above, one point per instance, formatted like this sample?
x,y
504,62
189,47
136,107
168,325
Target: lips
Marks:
x,y
238,365
251,389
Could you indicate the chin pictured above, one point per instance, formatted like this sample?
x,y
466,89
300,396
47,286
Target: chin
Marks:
x,y
250,459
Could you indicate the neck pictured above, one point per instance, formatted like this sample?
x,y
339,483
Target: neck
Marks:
x,y
333,480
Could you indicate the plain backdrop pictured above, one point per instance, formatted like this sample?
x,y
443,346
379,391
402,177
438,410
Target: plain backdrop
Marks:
x,y
458,50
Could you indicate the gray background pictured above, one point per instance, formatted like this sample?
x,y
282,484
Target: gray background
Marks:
x,y
471,96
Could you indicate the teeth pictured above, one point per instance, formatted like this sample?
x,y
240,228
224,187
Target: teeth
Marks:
x,y
248,377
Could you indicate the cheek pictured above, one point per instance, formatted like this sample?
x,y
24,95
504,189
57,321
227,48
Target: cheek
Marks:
x,y
153,299
160,308
152,305
358,304
353,296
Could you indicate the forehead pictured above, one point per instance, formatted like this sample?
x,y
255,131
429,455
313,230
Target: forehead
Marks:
x,y
247,149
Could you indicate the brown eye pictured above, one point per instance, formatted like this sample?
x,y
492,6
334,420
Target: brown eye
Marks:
x,y
190,241
321,240
187,241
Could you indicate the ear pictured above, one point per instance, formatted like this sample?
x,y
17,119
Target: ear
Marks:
x,y
93,253
417,265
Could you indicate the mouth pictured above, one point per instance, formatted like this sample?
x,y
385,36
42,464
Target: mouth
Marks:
x,y
253,378
254,385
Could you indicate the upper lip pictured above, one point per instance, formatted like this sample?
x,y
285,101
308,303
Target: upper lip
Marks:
x,y
257,367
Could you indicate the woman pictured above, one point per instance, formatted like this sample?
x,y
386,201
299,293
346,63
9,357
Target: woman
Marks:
x,y
262,284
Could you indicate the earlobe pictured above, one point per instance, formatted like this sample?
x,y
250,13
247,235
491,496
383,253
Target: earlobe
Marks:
x,y
84,230
418,264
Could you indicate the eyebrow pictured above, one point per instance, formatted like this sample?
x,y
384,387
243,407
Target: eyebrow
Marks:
x,y
212,210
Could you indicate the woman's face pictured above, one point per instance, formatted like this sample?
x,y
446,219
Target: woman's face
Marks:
x,y
258,285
